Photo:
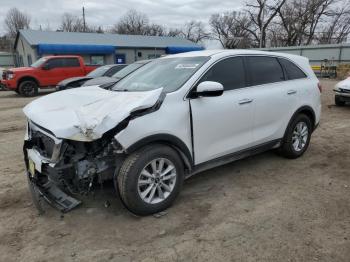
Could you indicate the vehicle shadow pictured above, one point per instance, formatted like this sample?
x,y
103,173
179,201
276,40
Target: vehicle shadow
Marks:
x,y
106,201
13,94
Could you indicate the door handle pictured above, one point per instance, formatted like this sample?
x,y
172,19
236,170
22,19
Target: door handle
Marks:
x,y
291,92
245,101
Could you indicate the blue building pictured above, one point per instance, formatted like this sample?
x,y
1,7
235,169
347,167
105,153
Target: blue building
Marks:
x,y
97,48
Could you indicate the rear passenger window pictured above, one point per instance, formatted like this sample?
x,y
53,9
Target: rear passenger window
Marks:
x,y
71,62
229,72
264,70
55,63
293,72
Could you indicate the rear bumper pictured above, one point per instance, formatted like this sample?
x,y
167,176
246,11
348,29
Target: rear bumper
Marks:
x,y
344,97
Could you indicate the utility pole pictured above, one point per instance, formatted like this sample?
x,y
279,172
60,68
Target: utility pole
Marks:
x,y
262,24
84,29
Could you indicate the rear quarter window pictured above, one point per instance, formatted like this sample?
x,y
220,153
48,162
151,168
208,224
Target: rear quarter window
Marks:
x,y
292,70
264,70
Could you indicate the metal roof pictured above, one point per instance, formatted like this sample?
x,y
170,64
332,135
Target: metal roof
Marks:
x,y
36,37
322,46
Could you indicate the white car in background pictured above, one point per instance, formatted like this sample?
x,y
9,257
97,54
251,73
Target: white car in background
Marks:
x,y
342,92
172,118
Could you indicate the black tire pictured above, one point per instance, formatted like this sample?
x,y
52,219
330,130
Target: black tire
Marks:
x,y
287,149
28,88
37,199
130,171
338,101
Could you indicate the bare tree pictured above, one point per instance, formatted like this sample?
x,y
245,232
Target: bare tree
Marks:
x,y
262,13
317,10
137,23
174,32
194,31
337,28
132,23
16,20
231,29
155,30
300,20
71,23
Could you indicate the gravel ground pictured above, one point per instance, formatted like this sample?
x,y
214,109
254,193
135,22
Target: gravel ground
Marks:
x,y
264,208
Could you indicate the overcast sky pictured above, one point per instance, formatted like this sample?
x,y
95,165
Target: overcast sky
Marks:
x,y
170,13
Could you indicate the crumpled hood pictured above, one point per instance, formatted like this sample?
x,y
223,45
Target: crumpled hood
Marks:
x,y
73,79
86,113
345,84
100,81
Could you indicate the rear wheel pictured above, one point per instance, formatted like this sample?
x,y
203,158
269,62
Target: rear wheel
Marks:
x,y
28,88
150,179
297,138
338,101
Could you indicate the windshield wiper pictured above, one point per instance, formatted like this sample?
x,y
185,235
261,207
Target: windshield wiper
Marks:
x,y
121,90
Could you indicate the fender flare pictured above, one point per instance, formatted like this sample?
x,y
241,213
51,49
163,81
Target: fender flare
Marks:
x,y
166,139
308,111
22,78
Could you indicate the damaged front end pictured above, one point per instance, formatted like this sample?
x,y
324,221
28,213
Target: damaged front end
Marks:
x,y
70,144
58,170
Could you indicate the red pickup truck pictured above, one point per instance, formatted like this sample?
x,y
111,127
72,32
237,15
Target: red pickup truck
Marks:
x,y
48,71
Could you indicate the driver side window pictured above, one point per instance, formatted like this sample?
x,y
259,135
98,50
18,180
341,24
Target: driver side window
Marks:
x,y
228,72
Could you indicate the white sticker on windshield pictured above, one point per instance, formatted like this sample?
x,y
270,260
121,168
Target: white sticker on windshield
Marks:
x,y
186,66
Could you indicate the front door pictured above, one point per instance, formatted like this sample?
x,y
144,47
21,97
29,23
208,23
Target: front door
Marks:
x,y
223,125
53,73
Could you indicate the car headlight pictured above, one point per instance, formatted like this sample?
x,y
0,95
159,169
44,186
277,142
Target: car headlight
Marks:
x,y
10,75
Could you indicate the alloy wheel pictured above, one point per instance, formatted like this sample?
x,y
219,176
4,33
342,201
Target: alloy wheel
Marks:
x,y
157,180
300,136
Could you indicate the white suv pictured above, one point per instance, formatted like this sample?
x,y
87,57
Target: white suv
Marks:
x,y
174,117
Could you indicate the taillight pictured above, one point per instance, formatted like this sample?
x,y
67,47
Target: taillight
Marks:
x,y
319,87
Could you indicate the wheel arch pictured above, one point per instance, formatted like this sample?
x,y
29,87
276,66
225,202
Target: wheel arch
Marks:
x,y
170,140
27,78
308,111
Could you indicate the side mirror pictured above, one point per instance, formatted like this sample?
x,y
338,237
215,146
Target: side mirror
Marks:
x,y
46,66
209,89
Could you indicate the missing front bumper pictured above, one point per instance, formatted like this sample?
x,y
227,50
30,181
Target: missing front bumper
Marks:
x,y
51,194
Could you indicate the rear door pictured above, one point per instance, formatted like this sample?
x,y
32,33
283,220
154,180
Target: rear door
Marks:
x,y
223,124
273,98
72,68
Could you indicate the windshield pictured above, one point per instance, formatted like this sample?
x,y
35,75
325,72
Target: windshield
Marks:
x,y
168,73
100,71
39,62
127,70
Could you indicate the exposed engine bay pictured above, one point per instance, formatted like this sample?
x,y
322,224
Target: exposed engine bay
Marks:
x,y
73,167
70,146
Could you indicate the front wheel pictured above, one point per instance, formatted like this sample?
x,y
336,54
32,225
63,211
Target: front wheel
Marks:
x,y
150,179
28,88
297,137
